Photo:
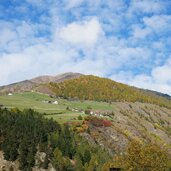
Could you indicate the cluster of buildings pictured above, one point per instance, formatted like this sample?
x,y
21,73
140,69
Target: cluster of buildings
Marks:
x,y
51,102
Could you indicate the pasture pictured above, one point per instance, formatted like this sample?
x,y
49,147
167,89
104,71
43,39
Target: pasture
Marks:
x,y
40,102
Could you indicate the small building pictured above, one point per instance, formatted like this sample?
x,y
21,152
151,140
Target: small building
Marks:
x,y
91,113
55,102
10,94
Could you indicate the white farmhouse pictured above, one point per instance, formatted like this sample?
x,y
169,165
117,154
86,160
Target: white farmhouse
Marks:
x,y
55,102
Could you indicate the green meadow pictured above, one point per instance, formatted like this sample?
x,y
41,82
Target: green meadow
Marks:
x,y
38,102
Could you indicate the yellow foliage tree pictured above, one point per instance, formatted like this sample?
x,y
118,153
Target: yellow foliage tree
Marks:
x,y
142,157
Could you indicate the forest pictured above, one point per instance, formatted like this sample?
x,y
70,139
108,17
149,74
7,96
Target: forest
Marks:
x,y
103,89
24,133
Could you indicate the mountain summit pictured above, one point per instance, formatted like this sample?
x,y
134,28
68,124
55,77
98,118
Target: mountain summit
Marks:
x,y
56,79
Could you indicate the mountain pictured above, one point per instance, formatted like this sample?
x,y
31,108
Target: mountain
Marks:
x,y
103,113
109,88
36,83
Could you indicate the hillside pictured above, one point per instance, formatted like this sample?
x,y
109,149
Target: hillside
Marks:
x,y
103,116
103,89
86,87
103,136
25,85
37,83
42,137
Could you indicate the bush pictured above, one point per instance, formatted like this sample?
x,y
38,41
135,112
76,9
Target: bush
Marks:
x,y
80,117
87,111
98,121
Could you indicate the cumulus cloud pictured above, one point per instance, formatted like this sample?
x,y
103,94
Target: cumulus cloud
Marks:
x,y
86,32
158,80
128,41
73,3
158,23
140,33
161,74
146,6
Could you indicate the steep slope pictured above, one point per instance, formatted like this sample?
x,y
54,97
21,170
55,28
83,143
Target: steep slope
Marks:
x,y
141,121
103,89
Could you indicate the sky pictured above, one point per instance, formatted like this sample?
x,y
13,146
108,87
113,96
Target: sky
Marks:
x,y
128,41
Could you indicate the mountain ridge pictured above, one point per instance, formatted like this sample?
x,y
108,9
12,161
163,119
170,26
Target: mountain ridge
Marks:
x,y
40,84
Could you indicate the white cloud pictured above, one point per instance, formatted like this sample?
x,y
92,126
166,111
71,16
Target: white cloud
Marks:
x,y
37,3
12,66
146,6
136,55
73,3
139,32
159,79
162,74
148,82
153,25
93,37
122,76
158,23
86,32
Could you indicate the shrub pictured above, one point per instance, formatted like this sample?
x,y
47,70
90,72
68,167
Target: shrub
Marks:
x,y
87,111
80,117
98,121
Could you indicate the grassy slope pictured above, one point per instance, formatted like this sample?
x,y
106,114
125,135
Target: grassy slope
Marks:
x,y
145,121
35,101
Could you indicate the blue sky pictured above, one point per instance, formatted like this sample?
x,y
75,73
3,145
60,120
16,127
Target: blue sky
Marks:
x,y
125,40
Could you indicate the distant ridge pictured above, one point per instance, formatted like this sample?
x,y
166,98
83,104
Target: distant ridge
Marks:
x,y
36,83
41,84
158,94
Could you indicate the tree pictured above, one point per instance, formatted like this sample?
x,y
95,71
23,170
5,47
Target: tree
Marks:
x,y
142,157
80,117
93,164
58,161
87,111
87,156
79,165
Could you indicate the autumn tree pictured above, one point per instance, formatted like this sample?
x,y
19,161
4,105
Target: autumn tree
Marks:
x,y
143,157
